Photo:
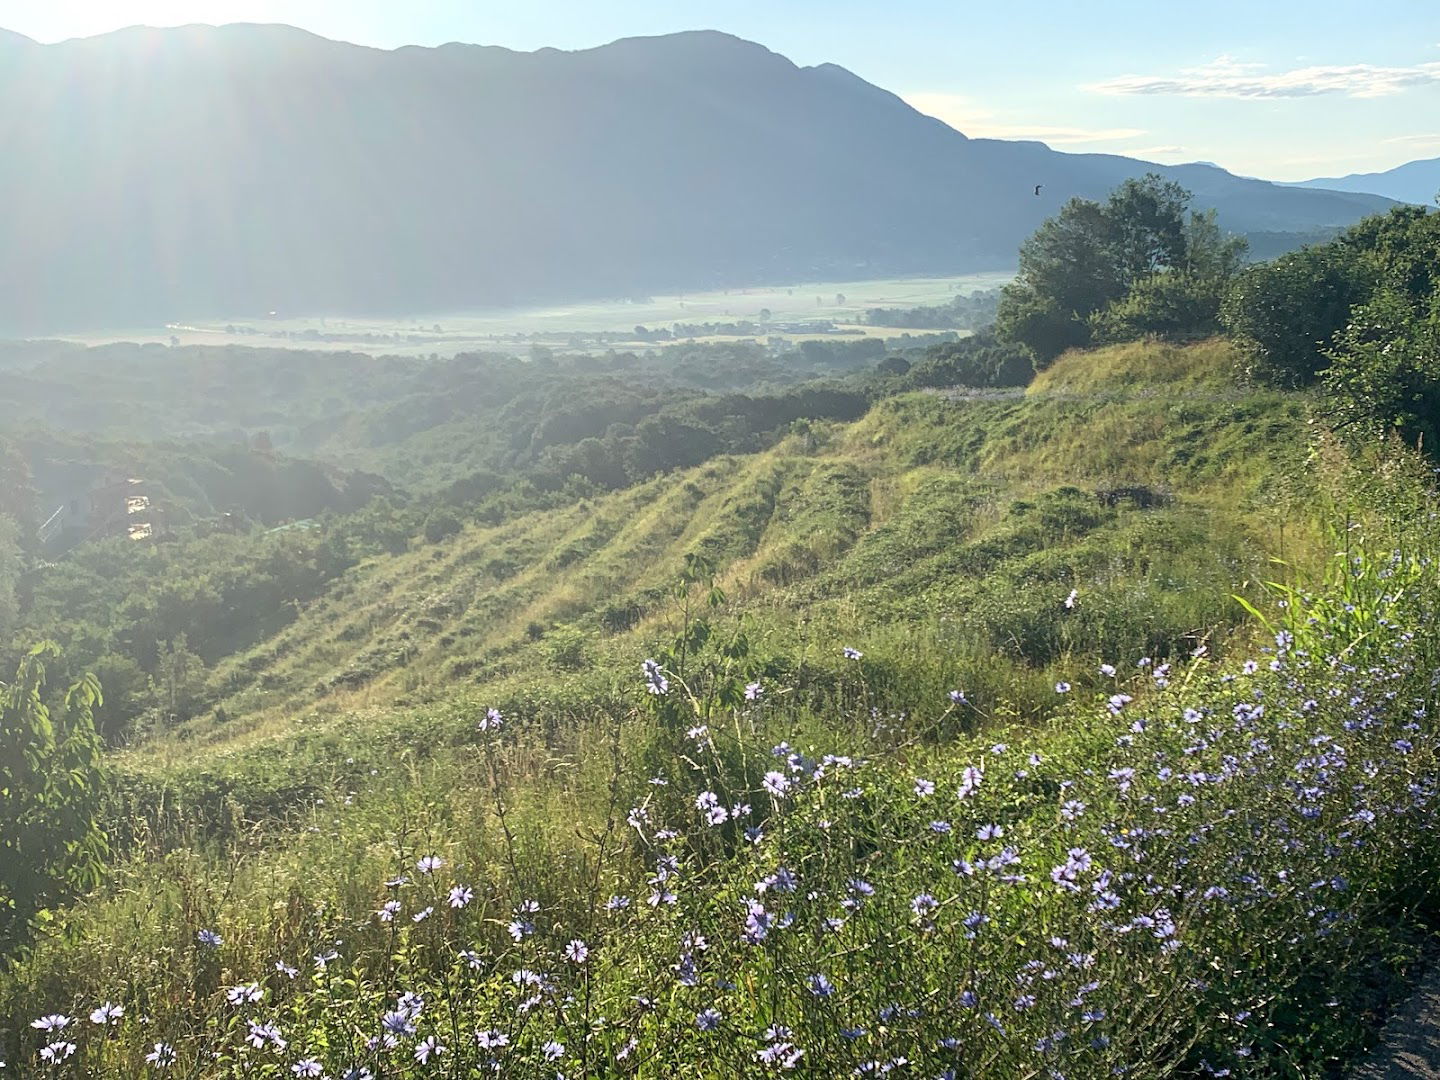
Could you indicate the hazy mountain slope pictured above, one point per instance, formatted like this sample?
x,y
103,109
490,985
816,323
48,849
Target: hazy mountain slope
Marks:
x,y
1415,182
202,171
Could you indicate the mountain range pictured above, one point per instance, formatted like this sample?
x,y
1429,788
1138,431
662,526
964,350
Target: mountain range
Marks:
x,y
1413,182
233,171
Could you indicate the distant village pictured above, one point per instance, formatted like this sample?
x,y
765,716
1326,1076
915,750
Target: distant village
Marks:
x,y
114,506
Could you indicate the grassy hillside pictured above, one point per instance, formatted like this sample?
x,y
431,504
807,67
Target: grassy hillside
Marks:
x,y
938,523
824,597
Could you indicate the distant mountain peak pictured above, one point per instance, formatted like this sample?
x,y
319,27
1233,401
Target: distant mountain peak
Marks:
x,y
270,169
10,39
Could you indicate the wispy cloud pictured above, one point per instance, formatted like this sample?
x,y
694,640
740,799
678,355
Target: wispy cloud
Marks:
x,y
964,115
1415,140
1229,78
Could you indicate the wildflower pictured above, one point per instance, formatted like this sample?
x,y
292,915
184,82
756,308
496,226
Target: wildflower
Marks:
x,y
923,904
260,1034
1062,688
357,1072
1108,670
107,1013
388,911
780,1051
655,681
422,915
754,691
852,654
1072,599
472,959
427,1048
57,1052
307,1067
708,1020
969,780
162,1055
461,895
493,720
820,986
52,1022
989,832
286,970
924,788
617,903
491,1039
958,697
210,939
428,864
553,1050
757,924
244,994
398,1022
777,784
577,952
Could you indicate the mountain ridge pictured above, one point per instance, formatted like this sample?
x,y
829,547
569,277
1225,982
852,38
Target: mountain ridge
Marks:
x,y
1414,182
232,171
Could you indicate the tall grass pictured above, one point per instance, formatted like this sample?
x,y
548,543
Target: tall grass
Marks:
x,y
1200,868
822,861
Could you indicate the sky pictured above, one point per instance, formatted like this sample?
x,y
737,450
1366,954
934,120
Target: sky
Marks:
x,y
1282,89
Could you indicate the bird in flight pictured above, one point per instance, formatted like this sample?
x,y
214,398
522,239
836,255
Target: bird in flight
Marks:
x,y
1037,188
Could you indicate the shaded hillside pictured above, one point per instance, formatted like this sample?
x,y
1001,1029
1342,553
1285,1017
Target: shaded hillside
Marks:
x,y
201,171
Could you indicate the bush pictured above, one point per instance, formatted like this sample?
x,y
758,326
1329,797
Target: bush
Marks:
x,y
440,525
1285,313
1178,306
52,781
1385,373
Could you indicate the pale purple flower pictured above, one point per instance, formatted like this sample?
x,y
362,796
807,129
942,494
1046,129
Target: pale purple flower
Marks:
x,y
461,895
162,1056
108,1013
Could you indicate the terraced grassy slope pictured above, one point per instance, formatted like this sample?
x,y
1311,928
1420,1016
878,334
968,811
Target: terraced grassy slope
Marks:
x,y
941,525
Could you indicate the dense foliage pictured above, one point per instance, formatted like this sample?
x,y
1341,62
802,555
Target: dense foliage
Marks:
x,y
1132,266
965,311
52,843
1359,314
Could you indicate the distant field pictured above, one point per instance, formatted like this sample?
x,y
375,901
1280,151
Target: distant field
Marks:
x,y
840,302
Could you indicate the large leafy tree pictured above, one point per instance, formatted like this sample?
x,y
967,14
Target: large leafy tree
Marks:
x,y
51,787
1094,256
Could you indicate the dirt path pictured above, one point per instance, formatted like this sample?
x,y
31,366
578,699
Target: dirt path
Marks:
x,y
1410,1044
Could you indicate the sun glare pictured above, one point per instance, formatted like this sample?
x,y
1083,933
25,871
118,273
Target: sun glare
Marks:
x,y
62,19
